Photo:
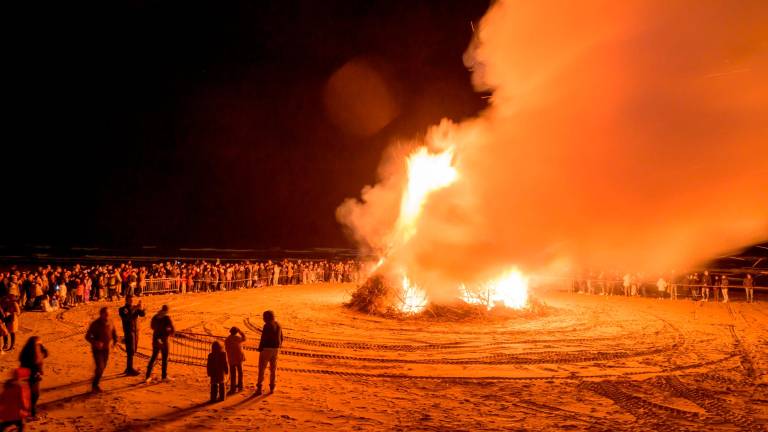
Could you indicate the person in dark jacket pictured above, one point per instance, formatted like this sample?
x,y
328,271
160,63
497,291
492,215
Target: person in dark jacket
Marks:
x,y
269,347
100,334
234,347
129,315
162,330
32,355
217,369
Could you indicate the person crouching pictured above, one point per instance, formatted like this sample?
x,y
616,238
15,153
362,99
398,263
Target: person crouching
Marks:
x,y
217,369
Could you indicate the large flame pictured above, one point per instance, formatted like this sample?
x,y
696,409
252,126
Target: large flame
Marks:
x,y
428,172
510,289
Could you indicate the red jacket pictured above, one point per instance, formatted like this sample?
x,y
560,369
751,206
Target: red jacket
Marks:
x,y
16,400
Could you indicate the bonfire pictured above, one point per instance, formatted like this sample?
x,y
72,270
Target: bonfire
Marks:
x,y
389,288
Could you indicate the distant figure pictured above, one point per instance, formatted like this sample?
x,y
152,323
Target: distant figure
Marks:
x,y
661,285
716,289
269,347
129,315
217,369
162,330
626,280
749,288
31,357
100,334
276,275
236,357
706,282
4,333
15,400
12,318
724,287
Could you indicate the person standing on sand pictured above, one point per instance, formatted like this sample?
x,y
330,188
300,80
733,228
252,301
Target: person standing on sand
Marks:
x,y
12,320
100,334
129,315
276,275
269,347
162,330
706,282
31,357
749,288
217,369
234,347
724,287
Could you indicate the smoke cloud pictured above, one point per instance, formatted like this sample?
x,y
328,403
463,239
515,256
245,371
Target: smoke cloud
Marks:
x,y
621,135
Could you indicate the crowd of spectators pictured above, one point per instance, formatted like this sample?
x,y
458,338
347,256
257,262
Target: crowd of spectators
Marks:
x,y
696,286
50,287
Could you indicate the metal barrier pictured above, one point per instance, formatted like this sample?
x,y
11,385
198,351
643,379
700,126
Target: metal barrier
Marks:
x,y
193,348
179,286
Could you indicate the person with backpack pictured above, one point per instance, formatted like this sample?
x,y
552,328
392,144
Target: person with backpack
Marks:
x,y
269,347
162,330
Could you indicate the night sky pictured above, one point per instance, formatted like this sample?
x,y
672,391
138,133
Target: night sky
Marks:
x,y
202,124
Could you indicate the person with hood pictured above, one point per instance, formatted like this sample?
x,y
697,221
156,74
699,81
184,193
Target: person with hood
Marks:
x,y
15,400
129,315
162,330
102,336
234,347
32,355
269,347
217,369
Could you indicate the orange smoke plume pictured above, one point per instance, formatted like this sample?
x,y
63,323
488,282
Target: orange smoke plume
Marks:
x,y
621,135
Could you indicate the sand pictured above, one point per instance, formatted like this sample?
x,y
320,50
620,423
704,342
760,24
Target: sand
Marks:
x,y
593,363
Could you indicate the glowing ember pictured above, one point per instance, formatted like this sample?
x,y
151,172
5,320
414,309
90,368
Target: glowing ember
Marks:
x,y
510,290
414,299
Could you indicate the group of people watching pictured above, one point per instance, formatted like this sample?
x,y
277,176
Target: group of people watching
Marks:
x,y
20,393
697,286
48,288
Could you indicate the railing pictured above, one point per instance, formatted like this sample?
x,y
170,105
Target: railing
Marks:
x,y
179,285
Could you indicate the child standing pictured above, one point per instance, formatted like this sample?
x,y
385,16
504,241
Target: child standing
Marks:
x,y
234,347
217,369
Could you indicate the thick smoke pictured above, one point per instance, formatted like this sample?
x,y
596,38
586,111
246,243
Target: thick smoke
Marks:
x,y
621,135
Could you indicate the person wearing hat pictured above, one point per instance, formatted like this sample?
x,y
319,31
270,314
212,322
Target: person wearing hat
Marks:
x,y
129,315
162,330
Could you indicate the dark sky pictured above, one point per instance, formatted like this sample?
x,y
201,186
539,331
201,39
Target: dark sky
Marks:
x,y
202,123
